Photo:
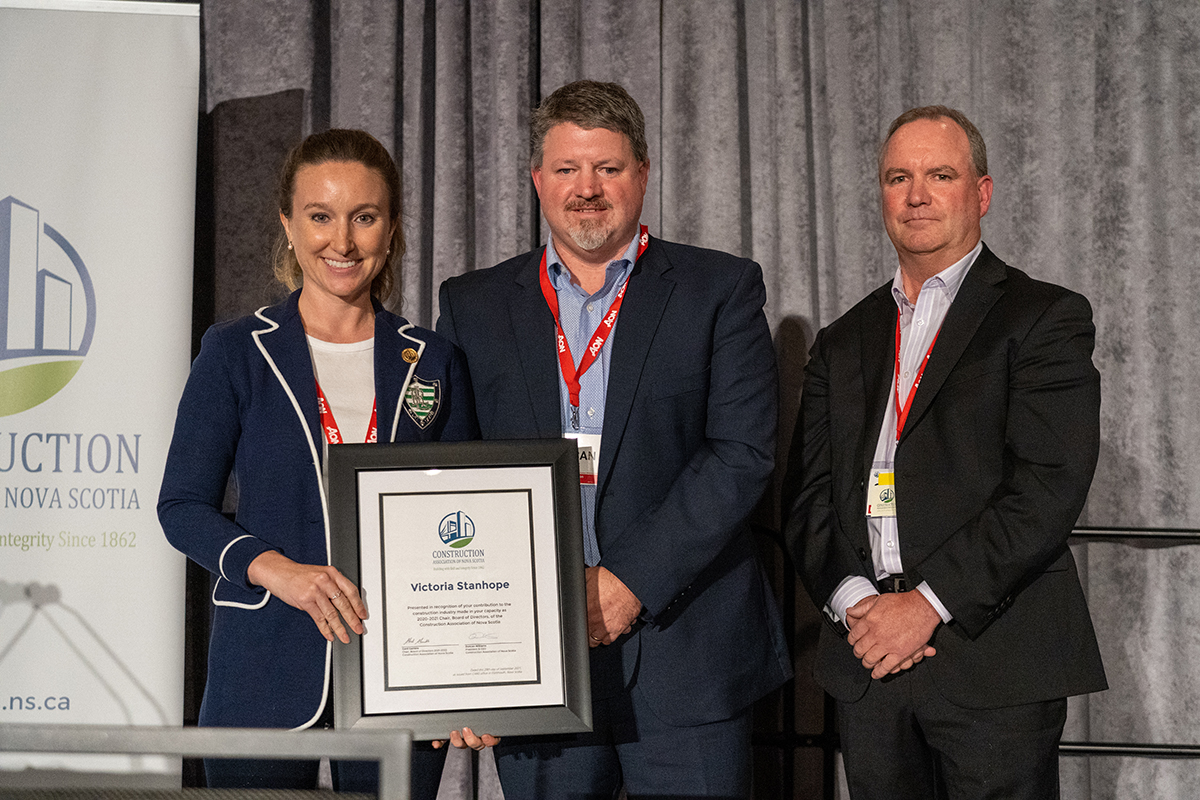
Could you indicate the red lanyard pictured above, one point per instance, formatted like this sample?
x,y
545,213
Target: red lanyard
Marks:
x,y
333,434
565,361
902,410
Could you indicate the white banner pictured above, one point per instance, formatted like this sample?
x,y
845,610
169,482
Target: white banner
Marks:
x,y
98,111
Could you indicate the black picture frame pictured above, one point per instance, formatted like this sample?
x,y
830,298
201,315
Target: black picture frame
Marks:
x,y
356,471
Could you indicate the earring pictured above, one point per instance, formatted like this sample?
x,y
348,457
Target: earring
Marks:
x,y
289,244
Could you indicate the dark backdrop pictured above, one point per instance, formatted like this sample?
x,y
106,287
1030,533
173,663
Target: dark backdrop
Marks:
x,y
763,117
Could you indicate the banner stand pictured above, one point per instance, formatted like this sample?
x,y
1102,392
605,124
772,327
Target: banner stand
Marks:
x,y
98,114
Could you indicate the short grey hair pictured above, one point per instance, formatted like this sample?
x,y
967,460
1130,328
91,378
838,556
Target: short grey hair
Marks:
x,y
974,137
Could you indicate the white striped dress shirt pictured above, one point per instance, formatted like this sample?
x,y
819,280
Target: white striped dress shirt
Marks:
x,y
919,324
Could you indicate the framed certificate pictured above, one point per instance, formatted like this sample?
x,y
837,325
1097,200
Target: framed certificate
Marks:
x,y
469,556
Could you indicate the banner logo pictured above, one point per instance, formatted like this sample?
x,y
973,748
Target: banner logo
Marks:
x,y
457,529
47,309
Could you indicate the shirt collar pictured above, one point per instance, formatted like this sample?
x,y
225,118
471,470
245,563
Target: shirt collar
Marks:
x,y
560,276
948,281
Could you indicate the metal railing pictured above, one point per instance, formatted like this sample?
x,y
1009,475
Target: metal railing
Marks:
x,y
1142,749
828,741
392,748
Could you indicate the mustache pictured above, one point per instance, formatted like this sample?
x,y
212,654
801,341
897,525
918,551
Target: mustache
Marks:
x,y
588,205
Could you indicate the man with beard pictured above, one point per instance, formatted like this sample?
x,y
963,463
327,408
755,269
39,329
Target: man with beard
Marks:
x,y
657,358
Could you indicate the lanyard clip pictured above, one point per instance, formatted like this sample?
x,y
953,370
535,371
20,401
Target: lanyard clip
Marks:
x,y
575,417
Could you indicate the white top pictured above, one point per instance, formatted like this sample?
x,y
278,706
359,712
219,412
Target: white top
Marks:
x,y
346,373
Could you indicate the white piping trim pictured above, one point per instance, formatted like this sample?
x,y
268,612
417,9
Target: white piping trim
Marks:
x,y
233,603
312,447
408,378
320,485
324,690
221,560
224,577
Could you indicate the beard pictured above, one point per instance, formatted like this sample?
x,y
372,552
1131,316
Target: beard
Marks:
x,y
589,234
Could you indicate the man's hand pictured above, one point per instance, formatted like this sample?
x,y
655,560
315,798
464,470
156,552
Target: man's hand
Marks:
x,y
891,632
466,738
323,592
856,612
611,607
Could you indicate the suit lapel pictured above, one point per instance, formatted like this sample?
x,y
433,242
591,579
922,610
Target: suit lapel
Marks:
x,y
286,349
390,381
877,337
978,293
642,309
533,329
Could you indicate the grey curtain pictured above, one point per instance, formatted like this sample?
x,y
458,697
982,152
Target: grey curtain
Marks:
x,y
763,117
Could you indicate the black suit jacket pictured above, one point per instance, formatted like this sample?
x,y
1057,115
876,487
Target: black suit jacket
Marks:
x,y
992,469
689,430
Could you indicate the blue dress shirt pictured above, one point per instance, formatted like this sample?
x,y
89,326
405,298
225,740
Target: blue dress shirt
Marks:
x,y
580,314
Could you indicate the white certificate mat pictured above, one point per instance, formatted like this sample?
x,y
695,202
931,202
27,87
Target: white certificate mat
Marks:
x,y
469,558
454,582
444,626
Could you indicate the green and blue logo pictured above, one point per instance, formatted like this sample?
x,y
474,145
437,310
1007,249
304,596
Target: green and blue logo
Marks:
x,y
47,309
457,529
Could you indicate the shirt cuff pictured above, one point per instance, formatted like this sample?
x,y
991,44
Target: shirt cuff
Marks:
x,y
849,592
925,589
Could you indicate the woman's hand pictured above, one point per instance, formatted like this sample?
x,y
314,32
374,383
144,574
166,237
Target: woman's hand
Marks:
x,y
466,738
326,594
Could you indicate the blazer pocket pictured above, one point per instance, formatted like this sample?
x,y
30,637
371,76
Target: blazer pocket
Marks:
x,y
230,595
681,385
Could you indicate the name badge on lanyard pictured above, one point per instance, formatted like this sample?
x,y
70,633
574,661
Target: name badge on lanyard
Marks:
x,y
589,456
881,494
881,489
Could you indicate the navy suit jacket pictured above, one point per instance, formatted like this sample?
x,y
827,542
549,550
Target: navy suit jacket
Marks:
x,y
992,469
688,449
250,408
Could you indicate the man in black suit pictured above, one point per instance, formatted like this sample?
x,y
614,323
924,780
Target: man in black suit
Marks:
x,y
948,432
657,358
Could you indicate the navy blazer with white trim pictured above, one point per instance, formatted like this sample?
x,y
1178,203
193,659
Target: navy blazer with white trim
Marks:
x,y
250,408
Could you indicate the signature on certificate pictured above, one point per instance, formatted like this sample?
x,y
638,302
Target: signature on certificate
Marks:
x,y
418,640
482,636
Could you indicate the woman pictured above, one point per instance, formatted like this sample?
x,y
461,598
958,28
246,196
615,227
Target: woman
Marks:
x,y
266,397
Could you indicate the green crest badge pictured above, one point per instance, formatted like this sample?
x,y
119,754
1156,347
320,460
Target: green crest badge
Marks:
x,y
421,401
